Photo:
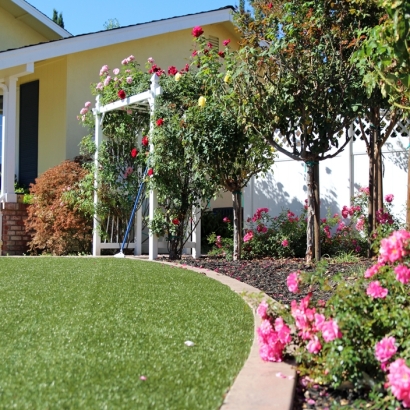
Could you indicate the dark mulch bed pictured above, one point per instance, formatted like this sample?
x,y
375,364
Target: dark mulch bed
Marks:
x,y
269,275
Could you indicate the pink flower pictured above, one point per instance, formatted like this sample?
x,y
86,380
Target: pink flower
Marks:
x,y
129,80
372,270
218,242
121,94
293,282
270,345
248,236
107,81
221,54
125,61
197,31
314,345
116,71
389,198
263,310
226,42
131,58
104,70
365,190
87,104
262,228
285,243
319,320
374,290
360,223
385,349
345,212
402,273
99,86
399,381
283,330
394,248
330,330
128,172
226,220
150,60
84,111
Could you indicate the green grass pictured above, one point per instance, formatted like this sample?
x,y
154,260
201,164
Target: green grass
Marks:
x,y
77,333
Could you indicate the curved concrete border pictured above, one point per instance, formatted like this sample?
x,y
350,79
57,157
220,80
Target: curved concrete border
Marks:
x,y
259,385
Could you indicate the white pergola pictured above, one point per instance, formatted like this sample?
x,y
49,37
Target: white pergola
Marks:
x,y
144,101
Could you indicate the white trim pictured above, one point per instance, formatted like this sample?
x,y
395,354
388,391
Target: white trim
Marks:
x,y
110,37
43,19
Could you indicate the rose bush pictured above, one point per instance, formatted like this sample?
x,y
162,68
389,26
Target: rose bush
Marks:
x,y
361,335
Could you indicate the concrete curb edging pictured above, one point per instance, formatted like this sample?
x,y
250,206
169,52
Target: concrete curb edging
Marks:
x,y
259,385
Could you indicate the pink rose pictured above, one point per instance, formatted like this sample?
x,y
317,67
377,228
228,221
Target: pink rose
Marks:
x,y
262,310
104,70
293,282
248,236
385,349
226,42
150,60
145,141
116,71
197,31
107,80
314,345
129,80
87,104
330,330
389,198
402,273
285,243
83,111
374,290
226,220
399,381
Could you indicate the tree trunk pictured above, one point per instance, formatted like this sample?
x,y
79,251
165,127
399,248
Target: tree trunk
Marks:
x,y
175,244
408,194
317,213
379,159
371,194
237,225
310,213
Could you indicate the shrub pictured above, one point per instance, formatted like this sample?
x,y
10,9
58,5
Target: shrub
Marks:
x,y
56,226
361,334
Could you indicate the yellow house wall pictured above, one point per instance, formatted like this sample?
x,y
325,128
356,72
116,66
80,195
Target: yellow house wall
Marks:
x,y
52,75
83,69
15,34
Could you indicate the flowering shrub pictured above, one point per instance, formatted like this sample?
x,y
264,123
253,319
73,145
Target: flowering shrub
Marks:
x,y
56,226
361,334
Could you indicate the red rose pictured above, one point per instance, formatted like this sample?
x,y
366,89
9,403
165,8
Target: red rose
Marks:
x,y
134,152
144,141
221,54
186,67
160,122
197,31
175,221
209,45
172,70
122,94
150,172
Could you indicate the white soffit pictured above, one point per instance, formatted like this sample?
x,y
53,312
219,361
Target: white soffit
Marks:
x,y
109,37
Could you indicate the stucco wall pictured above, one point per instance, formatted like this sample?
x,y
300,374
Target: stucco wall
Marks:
x,y
52,75
15,34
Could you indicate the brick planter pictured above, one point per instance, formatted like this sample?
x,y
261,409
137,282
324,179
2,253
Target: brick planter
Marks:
x,y
14,234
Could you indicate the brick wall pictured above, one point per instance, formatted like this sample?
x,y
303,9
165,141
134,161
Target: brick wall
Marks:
x,y
14,234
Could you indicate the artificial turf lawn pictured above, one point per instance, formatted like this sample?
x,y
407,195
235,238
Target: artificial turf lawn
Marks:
x,y
78,333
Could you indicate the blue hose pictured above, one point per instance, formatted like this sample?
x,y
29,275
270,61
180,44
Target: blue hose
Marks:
x,y
133,210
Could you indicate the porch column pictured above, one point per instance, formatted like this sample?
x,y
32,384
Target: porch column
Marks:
x,y
8,164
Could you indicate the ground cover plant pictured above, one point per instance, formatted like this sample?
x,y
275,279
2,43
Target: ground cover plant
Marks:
x,y
110,333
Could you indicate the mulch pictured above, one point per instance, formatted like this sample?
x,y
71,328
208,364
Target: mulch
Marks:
x,y
269,275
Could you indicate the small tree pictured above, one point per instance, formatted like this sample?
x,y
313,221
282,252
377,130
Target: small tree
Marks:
x,y
111,23
58,18
298,78
224,141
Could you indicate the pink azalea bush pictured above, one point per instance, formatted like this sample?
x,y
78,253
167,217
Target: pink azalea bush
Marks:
x,y
360,335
